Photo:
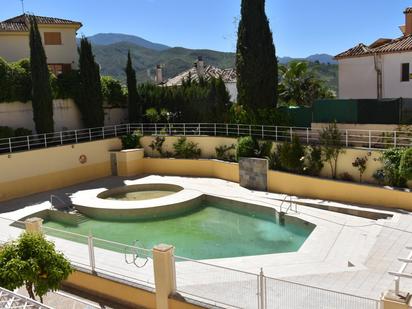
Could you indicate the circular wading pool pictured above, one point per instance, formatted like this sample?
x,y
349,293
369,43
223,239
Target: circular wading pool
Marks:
x,y
140,192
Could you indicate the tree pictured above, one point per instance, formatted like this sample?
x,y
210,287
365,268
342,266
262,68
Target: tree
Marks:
x,y
256,62
331,140
298,86
132,98
42,98
405,166
32,261
90,99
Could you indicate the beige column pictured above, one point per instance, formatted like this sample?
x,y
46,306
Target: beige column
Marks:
x,y
34,225
165,274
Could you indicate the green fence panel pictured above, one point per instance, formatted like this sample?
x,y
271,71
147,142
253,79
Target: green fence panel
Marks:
x,y
406,111
341,111
386,111
300,116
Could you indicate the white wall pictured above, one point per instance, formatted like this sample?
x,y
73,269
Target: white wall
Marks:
x,y
232,89
392,85
14,47
357,78
66,115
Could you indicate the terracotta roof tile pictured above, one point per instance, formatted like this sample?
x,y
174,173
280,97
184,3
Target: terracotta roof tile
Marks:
x,y
228,75
401,44
20,23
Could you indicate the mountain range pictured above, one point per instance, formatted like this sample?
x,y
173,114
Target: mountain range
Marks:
x,y
111,50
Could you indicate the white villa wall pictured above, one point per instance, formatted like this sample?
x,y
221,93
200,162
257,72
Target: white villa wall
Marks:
x,y
357,78
392,85
15,46
232,89
66,115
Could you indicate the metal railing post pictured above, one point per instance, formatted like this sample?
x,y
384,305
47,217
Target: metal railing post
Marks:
x,y
307,136
75,136
115,130
90,134
370,139
92,260
238,130
45,140
103,132
10,148
227,129
128,128
61,138
28,143
262,290
276,133
250,130
142,128
170,130
199,128
215,128
184,129
346,138
394,139
291,133
263,132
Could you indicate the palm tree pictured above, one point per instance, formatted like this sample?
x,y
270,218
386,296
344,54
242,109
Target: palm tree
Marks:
x,y
300,87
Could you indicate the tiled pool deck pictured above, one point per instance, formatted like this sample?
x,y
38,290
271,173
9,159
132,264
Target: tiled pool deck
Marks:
x,y
344,253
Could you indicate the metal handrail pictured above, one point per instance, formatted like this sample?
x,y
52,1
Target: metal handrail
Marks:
x,y
370,139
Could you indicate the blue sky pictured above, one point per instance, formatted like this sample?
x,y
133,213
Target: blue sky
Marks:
x,y
300,27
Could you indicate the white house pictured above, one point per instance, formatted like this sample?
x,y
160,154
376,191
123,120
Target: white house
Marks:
x,y
207,72
58,35
379,70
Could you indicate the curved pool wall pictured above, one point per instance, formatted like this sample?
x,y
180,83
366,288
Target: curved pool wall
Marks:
x,y
112,193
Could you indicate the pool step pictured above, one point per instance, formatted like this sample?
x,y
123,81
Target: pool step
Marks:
x,y
72,217
78,217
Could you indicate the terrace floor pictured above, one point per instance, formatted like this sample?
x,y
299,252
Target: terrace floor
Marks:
x,y
344,253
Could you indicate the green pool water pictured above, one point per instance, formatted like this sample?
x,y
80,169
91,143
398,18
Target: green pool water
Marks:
x,y
209,232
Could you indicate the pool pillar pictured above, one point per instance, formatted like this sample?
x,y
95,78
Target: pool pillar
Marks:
x,y
34,225
164,273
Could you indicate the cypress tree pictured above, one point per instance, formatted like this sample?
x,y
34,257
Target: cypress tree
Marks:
x,y
256,62
90,99
42,98
132,98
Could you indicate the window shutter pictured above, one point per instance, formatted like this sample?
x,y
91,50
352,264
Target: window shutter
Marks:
x,y
405,72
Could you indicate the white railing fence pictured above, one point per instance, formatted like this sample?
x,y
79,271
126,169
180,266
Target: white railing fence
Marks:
x,y
371,139
198,280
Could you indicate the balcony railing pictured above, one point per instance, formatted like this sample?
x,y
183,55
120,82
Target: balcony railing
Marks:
x,y
370,139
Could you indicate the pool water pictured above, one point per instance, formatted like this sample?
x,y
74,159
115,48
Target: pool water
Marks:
x,y
140,195
208,232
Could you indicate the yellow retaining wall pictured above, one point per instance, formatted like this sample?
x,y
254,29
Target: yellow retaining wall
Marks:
x,y
340,191
119,292
206,143
29,172
129,162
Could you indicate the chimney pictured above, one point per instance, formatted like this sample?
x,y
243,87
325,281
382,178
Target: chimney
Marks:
x,y
159,74
408,21
200,66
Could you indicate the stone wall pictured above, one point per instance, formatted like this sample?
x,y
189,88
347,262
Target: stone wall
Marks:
x,y
253,173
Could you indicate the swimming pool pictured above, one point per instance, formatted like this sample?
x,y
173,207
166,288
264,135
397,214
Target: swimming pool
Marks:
x,y
218,228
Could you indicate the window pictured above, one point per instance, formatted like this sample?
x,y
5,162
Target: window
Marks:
x,y
405,72
59,68
52,38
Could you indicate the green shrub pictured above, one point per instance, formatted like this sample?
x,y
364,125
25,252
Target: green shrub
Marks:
x,y
391,160
225,152
157,145
186,150
405,167
292,156
332,147
314,161
6,132
67,85
246,147
131,141
360,164
22,132
346,177
113,92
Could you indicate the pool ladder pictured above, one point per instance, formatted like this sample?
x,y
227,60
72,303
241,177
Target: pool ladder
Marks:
x,y
289,203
